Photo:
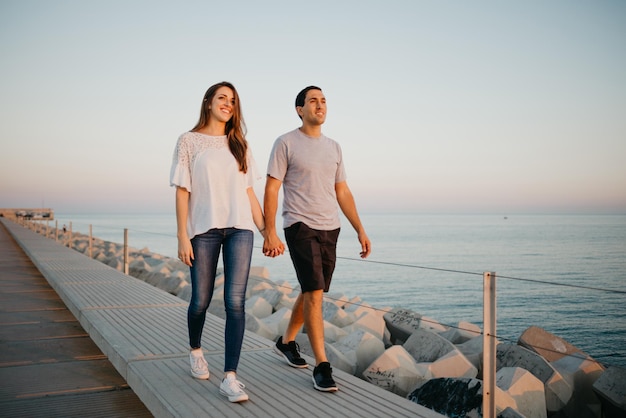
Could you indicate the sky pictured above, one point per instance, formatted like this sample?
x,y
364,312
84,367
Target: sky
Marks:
x,y
439,106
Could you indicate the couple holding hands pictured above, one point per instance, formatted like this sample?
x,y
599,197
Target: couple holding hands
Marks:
x,y
213,171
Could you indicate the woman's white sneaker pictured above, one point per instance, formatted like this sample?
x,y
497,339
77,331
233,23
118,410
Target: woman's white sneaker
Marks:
x,y
199,366
233,389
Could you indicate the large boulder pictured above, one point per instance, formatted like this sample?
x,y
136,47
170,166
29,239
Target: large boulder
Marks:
x,y
333,333
457,397
278,321
284,287
401,323
138,266
339,299
547,345
473,351
272,296
525,389
173,283
253,324
185,292
427,346
363,346
611,390
462,332
333,313
558,391
396,371
257,285
340,360
432,325
453,364
581,372
260,271
371,322
258,306
353,304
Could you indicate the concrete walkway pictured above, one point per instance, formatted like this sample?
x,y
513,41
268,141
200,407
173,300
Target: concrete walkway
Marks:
x,y
142,330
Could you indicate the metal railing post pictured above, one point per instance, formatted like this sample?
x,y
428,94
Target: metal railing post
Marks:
x,y
125,250
90,243
489,345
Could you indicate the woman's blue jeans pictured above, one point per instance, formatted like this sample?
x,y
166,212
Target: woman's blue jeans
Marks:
x,y
237,246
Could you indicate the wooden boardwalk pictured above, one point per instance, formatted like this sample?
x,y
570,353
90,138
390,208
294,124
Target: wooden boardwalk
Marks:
x,y
49,367
142,330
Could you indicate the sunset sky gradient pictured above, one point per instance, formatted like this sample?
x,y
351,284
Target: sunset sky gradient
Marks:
x,y
440,106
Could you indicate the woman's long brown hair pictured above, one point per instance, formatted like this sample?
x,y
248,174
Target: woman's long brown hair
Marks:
x,y
235,127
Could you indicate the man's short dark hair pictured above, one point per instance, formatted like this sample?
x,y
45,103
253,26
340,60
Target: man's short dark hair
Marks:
x,y
302,95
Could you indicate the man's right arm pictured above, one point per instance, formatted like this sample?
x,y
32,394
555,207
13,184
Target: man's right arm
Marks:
x,y
272,246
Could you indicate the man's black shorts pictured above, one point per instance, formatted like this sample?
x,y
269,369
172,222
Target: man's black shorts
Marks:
x,y
313,253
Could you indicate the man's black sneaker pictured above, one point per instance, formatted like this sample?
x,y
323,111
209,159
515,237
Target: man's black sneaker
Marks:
x,y
323,378
291,353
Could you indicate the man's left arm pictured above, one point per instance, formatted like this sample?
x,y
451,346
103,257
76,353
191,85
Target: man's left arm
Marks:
x,y
348,207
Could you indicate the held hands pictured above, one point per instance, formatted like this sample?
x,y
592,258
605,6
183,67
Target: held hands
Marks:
x,y
273,246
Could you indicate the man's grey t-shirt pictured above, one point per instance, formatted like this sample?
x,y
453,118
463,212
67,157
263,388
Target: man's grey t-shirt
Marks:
x,y
309,168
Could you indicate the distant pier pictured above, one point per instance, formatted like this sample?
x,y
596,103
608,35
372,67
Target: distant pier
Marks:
x,y
38,214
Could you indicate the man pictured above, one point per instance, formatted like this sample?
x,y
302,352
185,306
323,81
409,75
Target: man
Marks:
x,y
310,168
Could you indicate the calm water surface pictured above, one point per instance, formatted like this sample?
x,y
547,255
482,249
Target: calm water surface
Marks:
x,y
564,273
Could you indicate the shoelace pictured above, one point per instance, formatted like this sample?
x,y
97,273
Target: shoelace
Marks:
x,y
235,385
199,363
295,349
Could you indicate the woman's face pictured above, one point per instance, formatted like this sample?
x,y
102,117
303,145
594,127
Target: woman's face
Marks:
x,y
222,104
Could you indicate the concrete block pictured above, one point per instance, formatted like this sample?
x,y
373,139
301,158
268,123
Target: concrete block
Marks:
x,y
473,352
462,332
340,360
278,321
364,346
581,372
457,397
333,333
526,389
431,325
453,364
259,327
547,345
372,323
401,324
396,371
611,390
334,314
557,390
258,307
427,346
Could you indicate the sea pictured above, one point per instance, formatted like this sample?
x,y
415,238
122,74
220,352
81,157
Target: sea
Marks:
x,y
564,273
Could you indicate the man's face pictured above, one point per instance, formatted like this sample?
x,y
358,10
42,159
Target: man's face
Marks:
x,y
314,110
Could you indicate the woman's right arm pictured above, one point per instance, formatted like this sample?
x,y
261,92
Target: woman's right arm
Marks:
x,y
185,252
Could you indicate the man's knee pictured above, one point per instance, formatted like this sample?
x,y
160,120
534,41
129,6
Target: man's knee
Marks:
x,y
313,299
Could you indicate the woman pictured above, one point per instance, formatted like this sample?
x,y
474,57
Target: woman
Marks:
x,y
216,209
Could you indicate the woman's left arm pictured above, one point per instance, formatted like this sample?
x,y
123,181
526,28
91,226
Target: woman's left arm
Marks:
x,y
257,212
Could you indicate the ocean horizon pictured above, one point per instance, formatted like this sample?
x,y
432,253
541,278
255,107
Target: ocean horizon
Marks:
x,y
561,272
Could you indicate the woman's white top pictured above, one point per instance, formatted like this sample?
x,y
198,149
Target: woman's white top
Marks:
x,y
204,166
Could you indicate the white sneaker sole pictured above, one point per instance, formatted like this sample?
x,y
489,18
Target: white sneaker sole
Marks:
x,y
235,398
321,389
200,376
